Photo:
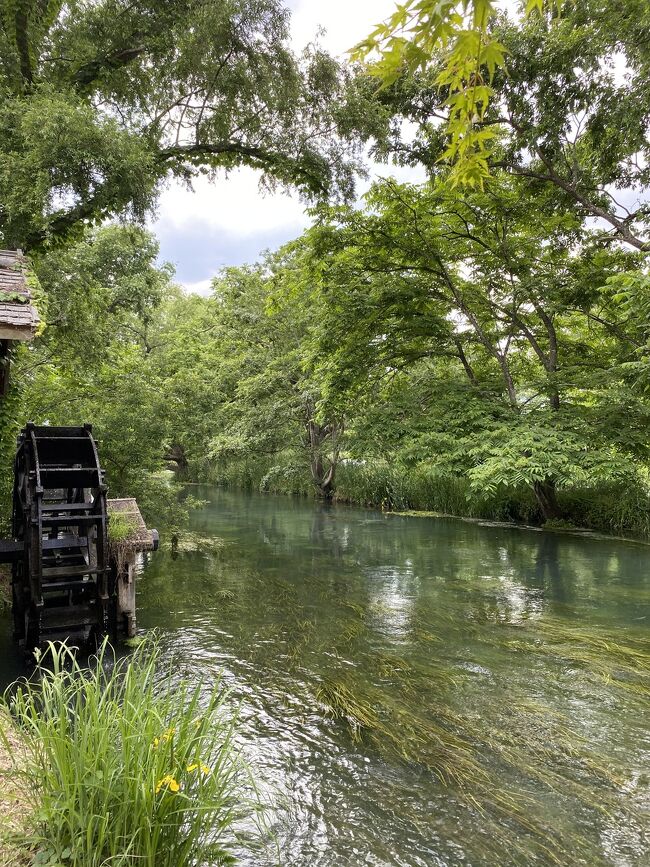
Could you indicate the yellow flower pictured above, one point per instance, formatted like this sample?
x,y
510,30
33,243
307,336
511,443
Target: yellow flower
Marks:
x,y
204,768
168,782
164,737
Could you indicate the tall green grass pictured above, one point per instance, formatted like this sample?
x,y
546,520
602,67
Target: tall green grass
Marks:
x,y
283,475
126,769
394,487
614,507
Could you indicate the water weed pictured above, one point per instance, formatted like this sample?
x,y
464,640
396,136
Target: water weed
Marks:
x,y
494,702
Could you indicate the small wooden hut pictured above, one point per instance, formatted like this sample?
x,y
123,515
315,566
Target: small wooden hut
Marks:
x,y
134,539
18,318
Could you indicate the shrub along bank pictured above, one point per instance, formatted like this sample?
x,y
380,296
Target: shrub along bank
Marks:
x,y
608,507
126,765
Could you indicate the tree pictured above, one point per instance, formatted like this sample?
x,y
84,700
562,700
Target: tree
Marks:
x,y
477,288
268,408
569,109
457,36
101,102
93,361
101,291
239,397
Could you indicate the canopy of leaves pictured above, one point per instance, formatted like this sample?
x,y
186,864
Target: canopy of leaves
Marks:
x,y
494,335
531,357
101,101
570,109
457,36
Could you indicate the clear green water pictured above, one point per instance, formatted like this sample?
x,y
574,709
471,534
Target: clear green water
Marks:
x,y
419,691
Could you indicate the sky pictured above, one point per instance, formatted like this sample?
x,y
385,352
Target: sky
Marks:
x,y
229,221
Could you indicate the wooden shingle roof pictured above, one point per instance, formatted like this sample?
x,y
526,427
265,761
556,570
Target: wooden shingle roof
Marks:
x,y
18,318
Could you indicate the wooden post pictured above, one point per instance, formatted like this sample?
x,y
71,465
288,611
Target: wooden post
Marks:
x,y
126,594
124,557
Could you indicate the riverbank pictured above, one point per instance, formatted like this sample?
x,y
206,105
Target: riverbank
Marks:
x,y
561,527
14,799
620,510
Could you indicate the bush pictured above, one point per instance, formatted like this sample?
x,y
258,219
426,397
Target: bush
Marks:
x,y
125,770
392,486
613,507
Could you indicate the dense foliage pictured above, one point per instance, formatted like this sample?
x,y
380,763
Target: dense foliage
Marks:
x,y
469,52
473,348
101,101
569,110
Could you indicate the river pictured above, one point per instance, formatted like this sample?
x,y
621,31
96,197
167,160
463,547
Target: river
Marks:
x,y
418,691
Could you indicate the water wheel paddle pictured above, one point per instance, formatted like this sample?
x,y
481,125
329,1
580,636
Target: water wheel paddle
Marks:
x,y
62,584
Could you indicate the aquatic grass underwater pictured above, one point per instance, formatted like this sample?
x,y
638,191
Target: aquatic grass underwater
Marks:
x,y
471,754
493,703
127,765
392,712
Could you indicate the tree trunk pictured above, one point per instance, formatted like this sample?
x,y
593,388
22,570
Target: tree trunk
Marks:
x,y
547,499
326,483
176,453
317,436
326,488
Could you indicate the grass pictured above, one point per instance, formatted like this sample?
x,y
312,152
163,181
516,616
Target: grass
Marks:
x,y
527,743
126,768
120,527
612,507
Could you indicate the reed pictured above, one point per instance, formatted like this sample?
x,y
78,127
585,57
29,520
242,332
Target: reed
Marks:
x,y
126,767
390,485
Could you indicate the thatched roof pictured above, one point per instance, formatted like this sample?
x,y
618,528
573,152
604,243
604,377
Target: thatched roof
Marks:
x,y
18,319
138,537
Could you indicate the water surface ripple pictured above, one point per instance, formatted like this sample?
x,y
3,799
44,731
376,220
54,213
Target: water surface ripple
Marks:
x,y
419,691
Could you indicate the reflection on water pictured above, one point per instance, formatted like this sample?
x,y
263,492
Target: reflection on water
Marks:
x,y
421,691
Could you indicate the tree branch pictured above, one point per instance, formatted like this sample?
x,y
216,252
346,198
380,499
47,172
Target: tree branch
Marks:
x,y
90,71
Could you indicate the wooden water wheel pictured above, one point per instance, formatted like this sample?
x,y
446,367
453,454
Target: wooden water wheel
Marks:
x,y
62,583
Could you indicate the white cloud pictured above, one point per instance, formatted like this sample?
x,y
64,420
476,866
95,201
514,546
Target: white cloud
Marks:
x,y
346,22
200,287
232,202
